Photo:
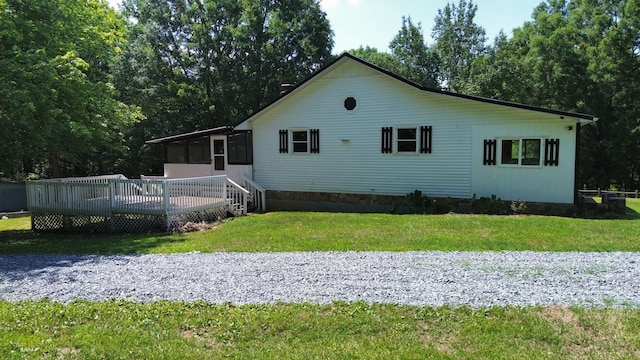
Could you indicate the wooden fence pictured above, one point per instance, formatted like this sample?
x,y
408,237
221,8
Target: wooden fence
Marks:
x,y
598,192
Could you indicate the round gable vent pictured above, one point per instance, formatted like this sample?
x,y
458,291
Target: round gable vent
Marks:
x,y
350,103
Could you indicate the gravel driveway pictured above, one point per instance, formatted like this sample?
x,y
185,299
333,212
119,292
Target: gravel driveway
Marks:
x,y
415,278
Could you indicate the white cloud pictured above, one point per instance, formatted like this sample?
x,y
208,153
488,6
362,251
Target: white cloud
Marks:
x,y
354,3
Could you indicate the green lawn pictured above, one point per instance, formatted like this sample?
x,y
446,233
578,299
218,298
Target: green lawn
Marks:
x,y
173,330
165,330
306,231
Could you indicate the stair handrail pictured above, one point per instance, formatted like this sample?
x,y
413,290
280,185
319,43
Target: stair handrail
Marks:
x,y
244,193
262,202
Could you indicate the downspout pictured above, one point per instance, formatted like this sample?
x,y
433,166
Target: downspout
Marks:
x,y
576,181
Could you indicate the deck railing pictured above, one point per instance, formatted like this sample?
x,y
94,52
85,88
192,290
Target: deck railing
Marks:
x,y
598,192
257,195
74,198
104,195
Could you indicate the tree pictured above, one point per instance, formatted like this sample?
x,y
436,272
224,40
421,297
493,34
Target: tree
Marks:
x,y
418,62
381,59
458,41
57,107
583,56
214,62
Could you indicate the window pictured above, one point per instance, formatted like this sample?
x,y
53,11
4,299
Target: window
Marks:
x,y
302,141
218,154
176,152
407,140
240,148
525,152
192,151
299,141
350,103
199,151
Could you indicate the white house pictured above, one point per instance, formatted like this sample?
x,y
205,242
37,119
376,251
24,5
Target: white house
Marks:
x,y
355,133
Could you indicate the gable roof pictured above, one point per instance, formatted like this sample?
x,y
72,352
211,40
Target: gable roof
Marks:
x,y
346,56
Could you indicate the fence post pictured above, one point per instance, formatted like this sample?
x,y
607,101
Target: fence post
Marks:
x,y
637,192
599,194
112,202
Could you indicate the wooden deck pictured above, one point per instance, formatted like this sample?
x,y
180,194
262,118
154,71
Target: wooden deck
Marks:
x,y
80,202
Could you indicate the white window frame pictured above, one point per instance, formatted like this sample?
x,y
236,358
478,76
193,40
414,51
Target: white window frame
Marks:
x,y
292,142
397,140
520,140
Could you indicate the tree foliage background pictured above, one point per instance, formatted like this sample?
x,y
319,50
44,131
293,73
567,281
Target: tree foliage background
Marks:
x,y
58,111
83,86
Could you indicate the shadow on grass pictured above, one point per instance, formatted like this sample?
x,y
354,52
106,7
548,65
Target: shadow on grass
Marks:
x,y
29,242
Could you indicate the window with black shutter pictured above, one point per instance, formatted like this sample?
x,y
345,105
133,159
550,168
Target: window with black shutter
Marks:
x,y
489,152
387,140
425,139
284,141
551,152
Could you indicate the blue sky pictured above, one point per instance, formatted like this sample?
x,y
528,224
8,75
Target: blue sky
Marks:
x,y
375,22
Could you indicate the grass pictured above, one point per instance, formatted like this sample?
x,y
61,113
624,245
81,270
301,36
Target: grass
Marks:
x,y
306,231
165,330
173,330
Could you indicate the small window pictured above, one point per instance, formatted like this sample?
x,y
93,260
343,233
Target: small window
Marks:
x,y
300,141
407,140
525,152
350,103
218,154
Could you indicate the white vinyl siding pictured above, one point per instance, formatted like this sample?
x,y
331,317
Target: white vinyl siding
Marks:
x,y
351,160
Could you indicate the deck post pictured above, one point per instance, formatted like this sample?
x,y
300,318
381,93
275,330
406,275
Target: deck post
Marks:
x,y
165,204
112,202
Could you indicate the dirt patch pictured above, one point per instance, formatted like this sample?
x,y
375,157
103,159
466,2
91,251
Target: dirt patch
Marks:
x,y
561,314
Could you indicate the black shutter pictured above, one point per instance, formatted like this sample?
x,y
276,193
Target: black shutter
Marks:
x,y
284,141
387,140
551,152
489,152
425,139
315,141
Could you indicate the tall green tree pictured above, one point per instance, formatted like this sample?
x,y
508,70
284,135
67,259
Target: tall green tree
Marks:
x,y
458,41
214,62
58,109
419,63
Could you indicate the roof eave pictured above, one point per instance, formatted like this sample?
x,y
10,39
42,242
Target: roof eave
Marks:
x,y
191,135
